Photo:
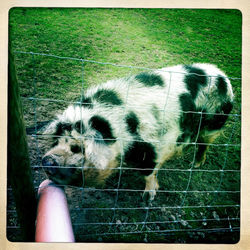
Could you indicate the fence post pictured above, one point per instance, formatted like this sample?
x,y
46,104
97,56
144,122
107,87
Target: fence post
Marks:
x,y
19,171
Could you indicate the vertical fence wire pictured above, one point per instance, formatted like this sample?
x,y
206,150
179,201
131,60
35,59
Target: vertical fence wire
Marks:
x,y
162,133
121,162
222,170
35,112
195,145
82,147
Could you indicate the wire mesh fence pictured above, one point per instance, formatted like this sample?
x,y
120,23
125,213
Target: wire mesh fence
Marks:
x,y
192,204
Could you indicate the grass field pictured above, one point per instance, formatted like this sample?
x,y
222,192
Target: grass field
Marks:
x,y
151,38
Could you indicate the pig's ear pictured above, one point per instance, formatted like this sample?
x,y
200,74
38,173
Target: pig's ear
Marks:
x,y
50,128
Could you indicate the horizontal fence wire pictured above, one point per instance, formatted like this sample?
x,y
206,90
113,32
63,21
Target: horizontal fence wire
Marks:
x,y
157,208
133,140
230,229
119,190
159,191
161,169
142,108
112,64
153,222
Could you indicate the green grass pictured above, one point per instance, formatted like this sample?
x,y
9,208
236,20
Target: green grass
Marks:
x,y
138,37
152,38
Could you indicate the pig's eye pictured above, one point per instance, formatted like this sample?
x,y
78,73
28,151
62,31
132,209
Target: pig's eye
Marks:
x,y
79,127
75,148
62,127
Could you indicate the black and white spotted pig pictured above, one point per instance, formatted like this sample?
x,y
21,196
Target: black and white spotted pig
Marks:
x,y
141,121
